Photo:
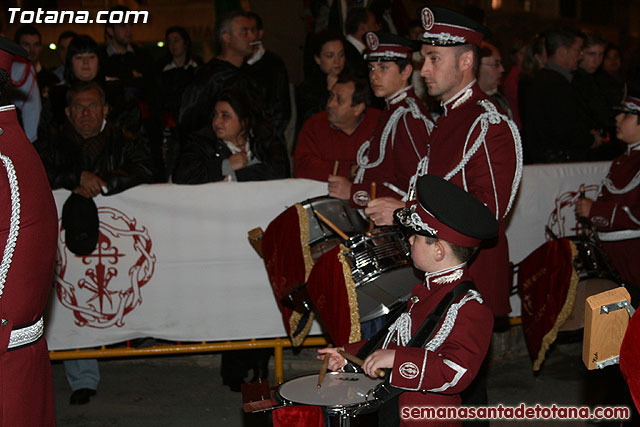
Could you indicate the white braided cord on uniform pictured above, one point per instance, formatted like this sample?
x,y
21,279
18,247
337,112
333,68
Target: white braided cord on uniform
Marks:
x,y
490,116
15,221
401,327
423,164
635,181
390,128
450,320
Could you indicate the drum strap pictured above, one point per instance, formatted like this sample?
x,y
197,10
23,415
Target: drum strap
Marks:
x,y
385,391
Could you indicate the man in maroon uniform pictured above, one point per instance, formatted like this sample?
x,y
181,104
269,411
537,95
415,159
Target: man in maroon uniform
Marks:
x,y
335,134
473,145
447,225
616,211
390,157
28,232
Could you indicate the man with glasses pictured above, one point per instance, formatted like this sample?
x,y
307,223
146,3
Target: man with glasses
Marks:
x,y
490,75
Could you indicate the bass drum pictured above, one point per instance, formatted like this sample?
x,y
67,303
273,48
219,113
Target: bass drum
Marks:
x,y
596,276
382,270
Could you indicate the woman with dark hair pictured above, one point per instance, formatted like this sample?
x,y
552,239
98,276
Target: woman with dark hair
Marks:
x,y
83,64
328,62
237,146
177,69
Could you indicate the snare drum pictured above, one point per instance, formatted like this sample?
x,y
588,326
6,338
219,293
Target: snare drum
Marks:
x,y
321,238
381,269
341,393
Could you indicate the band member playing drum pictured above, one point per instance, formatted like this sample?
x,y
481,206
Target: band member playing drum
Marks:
x,y
390,157
448,224
616,211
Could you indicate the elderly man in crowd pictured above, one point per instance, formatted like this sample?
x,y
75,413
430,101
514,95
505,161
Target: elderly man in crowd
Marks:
x,y
91,157
336,134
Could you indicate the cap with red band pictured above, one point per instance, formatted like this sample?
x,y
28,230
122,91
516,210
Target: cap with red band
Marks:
x,y
445,27
387,47
447,212
630,105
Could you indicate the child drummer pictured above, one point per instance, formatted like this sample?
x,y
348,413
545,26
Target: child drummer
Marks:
x,y
616,211
447,226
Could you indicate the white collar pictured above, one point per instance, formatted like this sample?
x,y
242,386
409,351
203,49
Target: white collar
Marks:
x,y
448,275
112,51
459,98
398,96
356,43
633,147
172,65
235,149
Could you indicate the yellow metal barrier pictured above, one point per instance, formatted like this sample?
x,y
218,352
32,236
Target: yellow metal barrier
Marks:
x,y
204,347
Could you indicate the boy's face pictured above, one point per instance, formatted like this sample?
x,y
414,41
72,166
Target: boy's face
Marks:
x,y
627,128
422,253
386,78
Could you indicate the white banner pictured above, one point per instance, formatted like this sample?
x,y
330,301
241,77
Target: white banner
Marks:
x,y
173,262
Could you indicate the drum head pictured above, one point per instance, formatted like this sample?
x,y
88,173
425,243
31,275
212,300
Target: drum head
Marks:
x,y
339,389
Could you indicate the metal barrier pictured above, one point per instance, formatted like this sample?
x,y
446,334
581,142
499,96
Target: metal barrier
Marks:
x,y
278,344
204,347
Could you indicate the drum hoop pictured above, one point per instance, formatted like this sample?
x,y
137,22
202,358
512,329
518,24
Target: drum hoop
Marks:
x,y
370,277
339,409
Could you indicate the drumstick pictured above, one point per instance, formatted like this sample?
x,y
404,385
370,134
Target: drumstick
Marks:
x,y
331,225
335,167
350,357
323,370
373,197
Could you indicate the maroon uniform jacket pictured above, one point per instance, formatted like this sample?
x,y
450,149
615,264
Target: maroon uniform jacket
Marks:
x,y
488,164
392,154
616,214
320,145
435,374
25,372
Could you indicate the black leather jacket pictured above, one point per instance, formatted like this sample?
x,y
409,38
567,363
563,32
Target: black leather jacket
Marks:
x,y
121,162
203,154
197,99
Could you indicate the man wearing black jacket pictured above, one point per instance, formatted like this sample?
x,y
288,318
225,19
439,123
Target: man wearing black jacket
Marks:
x,y
235,34
555,120
91,157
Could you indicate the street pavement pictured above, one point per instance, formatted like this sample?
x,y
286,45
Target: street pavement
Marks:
x,y
187,390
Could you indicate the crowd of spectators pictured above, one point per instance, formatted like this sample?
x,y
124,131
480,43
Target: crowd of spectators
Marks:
x,y
559,89
110,117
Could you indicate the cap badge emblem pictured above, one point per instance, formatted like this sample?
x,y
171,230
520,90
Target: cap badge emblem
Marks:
x,y
427,19
372,41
